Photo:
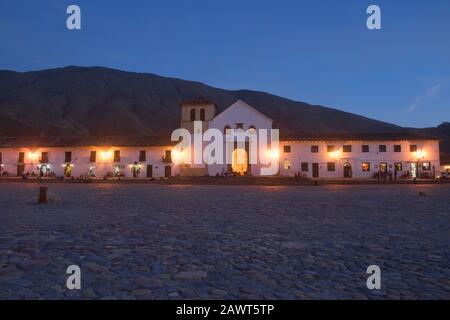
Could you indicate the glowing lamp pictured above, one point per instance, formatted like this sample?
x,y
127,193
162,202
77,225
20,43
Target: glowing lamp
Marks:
x,y
420,154
33,156
274,153
106,155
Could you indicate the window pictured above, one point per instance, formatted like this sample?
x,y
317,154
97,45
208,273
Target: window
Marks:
x,y
426,166
202,114
93,157
226,128
365,166
239,125
365,148
68,157
314,149
142,156
287,164
382,148
398,166
287,149
1,158
252,128
413,148
21,157
331,166
44,157
347,148
192,114
304,166
116,155
330,148
397,148
168,155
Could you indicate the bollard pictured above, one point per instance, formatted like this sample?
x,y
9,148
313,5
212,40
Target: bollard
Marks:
x,y
43,195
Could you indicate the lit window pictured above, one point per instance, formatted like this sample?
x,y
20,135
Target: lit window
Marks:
x,y
287,164
426,166
398,166
226,128
330,148
365,166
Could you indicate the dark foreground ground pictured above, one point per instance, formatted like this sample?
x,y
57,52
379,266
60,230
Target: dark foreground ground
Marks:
x,y
220,242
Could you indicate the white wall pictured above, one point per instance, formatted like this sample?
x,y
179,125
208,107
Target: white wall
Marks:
x,y
81,160
239,112
301,152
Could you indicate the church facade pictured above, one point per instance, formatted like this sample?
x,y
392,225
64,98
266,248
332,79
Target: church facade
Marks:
x,y
333,156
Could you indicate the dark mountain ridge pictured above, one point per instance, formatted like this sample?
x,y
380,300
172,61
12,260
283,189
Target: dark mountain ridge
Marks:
x,y
99,102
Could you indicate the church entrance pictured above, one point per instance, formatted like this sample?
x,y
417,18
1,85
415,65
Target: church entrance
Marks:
x,y
239,163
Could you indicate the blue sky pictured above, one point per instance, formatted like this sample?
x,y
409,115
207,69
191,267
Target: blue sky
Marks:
x,y
320,52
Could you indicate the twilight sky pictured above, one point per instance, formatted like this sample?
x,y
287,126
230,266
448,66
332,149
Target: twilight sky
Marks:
x,y
316,51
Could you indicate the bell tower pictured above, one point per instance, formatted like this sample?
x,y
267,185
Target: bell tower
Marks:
x,y
197,109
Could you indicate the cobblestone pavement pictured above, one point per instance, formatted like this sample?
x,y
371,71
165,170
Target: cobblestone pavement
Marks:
x,y
225,242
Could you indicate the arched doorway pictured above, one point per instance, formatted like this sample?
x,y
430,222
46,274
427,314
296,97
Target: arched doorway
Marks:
x,y
239,163
348,173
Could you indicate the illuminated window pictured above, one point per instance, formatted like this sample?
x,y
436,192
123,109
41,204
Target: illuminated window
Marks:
x,y
398,166
330,148
287,164
365,166
239,125
397,148
413,148
314,149
227,127
382,148
365,148
347,148
331,166
287,149
426,166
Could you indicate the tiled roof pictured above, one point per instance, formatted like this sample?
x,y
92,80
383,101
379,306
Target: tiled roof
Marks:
x,y
197,100
119,141
394,136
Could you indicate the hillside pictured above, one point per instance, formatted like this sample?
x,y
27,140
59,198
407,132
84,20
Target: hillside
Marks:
x,y
100,102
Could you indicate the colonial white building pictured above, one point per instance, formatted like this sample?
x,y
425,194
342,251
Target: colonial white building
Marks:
x,y
333,156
